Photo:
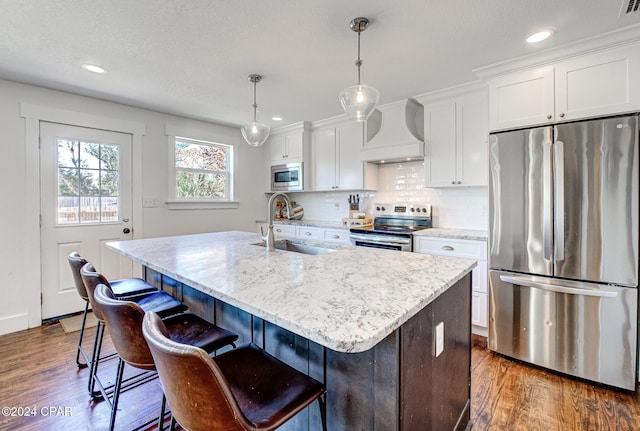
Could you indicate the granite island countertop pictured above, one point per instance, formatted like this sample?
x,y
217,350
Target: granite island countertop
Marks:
x,y
348,300
470,234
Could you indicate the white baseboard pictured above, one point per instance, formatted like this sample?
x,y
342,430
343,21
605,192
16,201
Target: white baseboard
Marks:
x,y
14,323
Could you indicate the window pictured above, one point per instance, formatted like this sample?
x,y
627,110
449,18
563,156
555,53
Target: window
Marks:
x,y
88,182
203,170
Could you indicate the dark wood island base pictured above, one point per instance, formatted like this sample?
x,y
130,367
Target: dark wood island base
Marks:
x,y
399,384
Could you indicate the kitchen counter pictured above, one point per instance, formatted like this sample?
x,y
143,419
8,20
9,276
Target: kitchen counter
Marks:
x,y
470,234
348,300
362,321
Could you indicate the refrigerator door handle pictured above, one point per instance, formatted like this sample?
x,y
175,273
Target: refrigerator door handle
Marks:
x,y
547,199
565,288
559,196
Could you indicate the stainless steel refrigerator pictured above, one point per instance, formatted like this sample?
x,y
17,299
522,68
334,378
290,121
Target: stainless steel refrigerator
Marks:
x,y
563,247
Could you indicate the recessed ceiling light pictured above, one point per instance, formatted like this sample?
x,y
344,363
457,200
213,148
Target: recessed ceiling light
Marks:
x,y
541,35
93,68
276,118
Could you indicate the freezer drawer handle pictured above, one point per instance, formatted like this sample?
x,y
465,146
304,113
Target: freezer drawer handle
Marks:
x,y
523,281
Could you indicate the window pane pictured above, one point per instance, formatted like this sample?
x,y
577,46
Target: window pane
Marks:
x,y
89,209
109,183
203,157
89,182
67,153
68,182
89,155
109,207
68,207
109,157
200,185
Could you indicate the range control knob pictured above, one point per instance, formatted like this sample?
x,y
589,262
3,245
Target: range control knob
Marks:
x,y
377,208
413,209
384,209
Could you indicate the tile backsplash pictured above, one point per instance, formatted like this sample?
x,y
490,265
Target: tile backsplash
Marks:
x,y
457,207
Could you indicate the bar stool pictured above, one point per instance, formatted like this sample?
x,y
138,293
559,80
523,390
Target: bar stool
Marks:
x,y
124,320
157,301
242,389
122,287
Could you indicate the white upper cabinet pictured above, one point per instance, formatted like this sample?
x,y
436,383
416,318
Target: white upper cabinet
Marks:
x,y
335,161
287,145
590,85
521,98
456,131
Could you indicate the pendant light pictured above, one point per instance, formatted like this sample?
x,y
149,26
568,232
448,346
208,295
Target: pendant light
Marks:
x,y
359,101
255,133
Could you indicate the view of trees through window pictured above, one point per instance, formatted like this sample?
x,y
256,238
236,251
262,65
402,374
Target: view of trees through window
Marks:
x,y
88,182
202,169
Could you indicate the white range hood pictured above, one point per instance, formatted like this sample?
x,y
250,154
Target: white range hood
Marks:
x,y
395,133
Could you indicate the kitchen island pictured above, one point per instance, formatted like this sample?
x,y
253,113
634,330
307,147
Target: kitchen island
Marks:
x,y
360,320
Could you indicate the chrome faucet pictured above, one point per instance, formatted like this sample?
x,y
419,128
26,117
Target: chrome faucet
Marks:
x,y
269,239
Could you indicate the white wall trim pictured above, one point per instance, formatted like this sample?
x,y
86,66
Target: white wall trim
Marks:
x,y
33,114
14,323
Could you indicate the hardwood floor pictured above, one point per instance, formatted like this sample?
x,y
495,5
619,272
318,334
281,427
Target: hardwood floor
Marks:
x,y
37,372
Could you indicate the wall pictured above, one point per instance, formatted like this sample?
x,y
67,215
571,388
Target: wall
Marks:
x,y
459,207
19,307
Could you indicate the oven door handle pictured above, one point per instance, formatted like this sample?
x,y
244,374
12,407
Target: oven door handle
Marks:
x,y
382,239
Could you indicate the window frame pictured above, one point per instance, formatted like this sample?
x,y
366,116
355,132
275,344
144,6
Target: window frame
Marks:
x,y
176,202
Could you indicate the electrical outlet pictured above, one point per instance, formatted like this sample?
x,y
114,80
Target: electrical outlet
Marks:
x,y
149,202
439,339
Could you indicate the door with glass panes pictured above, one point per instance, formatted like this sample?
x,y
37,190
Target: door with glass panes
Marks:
x,y
85,202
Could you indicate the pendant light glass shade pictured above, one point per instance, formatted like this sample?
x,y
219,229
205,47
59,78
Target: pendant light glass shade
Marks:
x,y
359,101
255,133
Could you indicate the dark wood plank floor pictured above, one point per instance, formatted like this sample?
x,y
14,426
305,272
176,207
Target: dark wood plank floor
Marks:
x,y
37,372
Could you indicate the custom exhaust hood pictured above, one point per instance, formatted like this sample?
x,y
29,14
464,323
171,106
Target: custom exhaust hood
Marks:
x,y
395,133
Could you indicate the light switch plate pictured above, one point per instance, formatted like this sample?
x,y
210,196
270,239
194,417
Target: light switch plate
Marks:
x,y
439,339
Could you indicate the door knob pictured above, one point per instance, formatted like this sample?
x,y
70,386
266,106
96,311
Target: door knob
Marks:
x,y
126,230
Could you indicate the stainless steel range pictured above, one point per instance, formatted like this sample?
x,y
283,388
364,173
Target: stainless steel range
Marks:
x,y
393,226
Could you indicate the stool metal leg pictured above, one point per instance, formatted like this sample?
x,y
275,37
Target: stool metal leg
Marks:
x,y
80,349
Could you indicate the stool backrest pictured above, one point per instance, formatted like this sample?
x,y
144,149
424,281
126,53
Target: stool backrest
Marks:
x,y
124,320
91,279
197,391
77,262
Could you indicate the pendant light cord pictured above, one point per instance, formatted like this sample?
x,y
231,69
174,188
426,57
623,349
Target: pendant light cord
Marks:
x,y
359,61
255,105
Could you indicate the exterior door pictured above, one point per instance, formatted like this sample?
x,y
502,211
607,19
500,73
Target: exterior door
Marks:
x,y
85,201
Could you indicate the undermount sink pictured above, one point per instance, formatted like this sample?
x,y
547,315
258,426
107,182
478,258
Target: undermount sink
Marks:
x,y
298,247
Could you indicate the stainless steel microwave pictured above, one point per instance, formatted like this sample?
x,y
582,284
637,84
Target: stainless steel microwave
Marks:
x,y
287,177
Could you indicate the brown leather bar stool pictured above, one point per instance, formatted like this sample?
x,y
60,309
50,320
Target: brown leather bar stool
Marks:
x,y
122,287
124,320
157,301
242,389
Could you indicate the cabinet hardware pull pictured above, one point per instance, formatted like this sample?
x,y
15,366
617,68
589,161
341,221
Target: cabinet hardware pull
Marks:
x,y
453,182
308,233
278,230
549,117
562,115
335,236
459,182
447,248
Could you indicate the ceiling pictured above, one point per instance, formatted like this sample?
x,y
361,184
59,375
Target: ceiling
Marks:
x,y
192,57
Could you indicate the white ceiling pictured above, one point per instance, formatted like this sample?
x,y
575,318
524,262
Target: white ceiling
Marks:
x,y
192,57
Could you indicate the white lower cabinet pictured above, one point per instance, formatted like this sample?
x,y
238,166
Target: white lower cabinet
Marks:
x,y
284,231
309,232
337,235
467,249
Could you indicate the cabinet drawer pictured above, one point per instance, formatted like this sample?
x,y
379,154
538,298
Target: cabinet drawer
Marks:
x,y
336,235
468,249
281,230
305,232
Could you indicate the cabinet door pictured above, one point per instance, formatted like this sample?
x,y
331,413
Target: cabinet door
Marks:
x,y
294,147
349,168
278,149
440,144
479,309
337,235
521,99
597,84
323,172
472,130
